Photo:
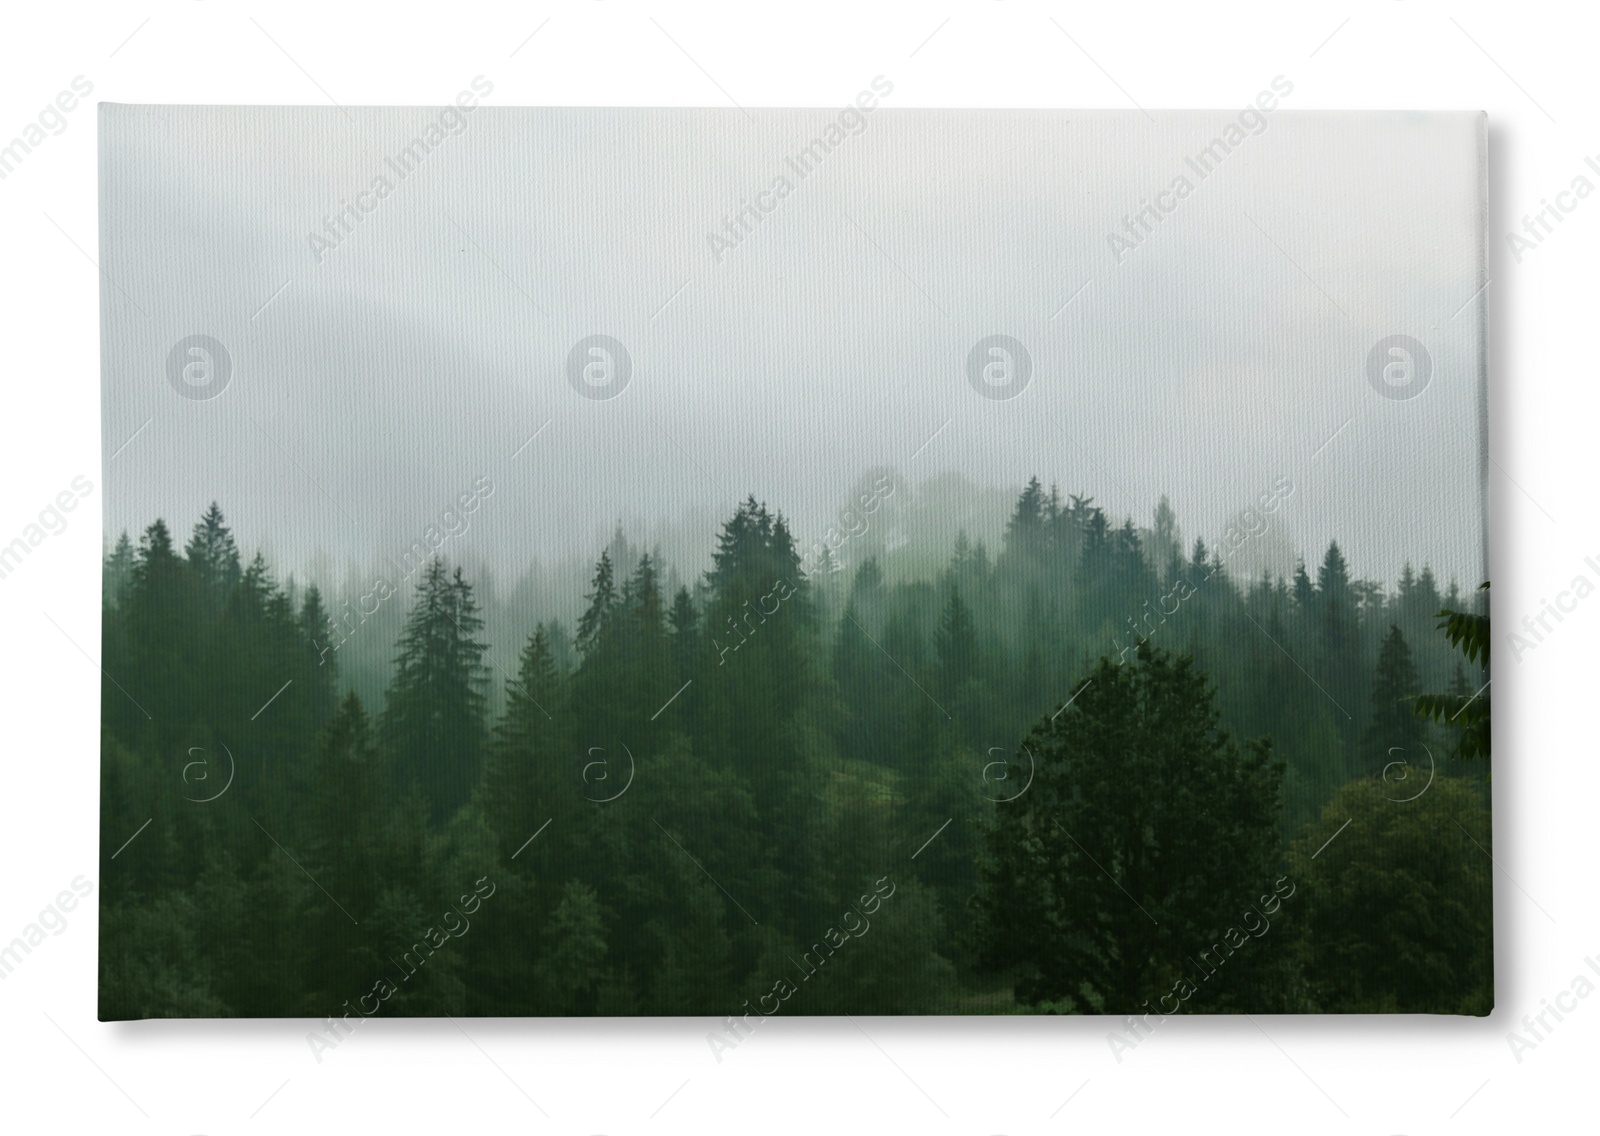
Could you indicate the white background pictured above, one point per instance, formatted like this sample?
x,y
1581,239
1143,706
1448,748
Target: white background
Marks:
x,y
1529,65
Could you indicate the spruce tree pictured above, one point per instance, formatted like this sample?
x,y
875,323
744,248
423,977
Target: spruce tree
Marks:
x,y
1394,733
956,643
761,625
856,672
1025,530
645,680
684,621
867,587
433,718
165,640
1337,656
118,573
1305,593
602,601
531,773
213,555
1166,539
347,819
320,669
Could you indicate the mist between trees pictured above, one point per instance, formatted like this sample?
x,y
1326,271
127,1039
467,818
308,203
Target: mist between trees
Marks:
x,y
1253,734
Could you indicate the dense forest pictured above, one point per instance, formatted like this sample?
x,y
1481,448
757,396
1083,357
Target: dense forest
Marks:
x,y
1087,772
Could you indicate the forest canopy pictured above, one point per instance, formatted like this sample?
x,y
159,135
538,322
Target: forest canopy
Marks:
x,y
1077,773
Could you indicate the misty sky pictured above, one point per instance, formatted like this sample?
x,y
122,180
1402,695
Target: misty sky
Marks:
x,y
370,389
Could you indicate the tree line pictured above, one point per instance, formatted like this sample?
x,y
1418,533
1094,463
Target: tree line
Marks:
x,y
675,799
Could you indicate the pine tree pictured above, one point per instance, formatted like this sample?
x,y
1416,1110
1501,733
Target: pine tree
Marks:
x,y
758,613
214,556
1305,594
867,587
1394,733
1166,538
347,824
854,669
961,555
1025,530
261,686
761,624
738,543
623,555
1428,591
602,602
534,697
1338,655
321,669
645,653
1333,577
981,567
686,646
956,643
641,596
433,724
530,776
1177,569
165,645
1095,533
118,573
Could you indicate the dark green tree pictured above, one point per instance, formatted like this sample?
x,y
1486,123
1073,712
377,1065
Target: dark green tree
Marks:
x,y
320,669
758,678
433,718
795,737
685,623
1468,633
214,556
602,601
165,635
1304,591
1145,834
956,644
1025,531
1398,905
1394,733
858,671
532,772
1339,657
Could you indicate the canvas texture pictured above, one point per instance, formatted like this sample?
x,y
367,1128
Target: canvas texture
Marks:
x,y
736,563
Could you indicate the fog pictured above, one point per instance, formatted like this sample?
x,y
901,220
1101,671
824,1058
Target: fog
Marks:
x,y
374,380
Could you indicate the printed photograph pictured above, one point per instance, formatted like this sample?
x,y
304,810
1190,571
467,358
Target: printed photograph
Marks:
x,y
744,563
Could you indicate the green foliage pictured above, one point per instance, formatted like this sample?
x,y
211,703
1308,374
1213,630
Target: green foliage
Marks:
x,y
433,719
575,957
892,963
687,794
1147,829
1468,713
154,967
213,556
1398,900
1394,732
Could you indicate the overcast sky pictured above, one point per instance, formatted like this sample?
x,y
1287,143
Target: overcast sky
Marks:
x,y
369,389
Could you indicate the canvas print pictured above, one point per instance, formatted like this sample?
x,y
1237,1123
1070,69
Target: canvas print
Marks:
x,y
750,563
